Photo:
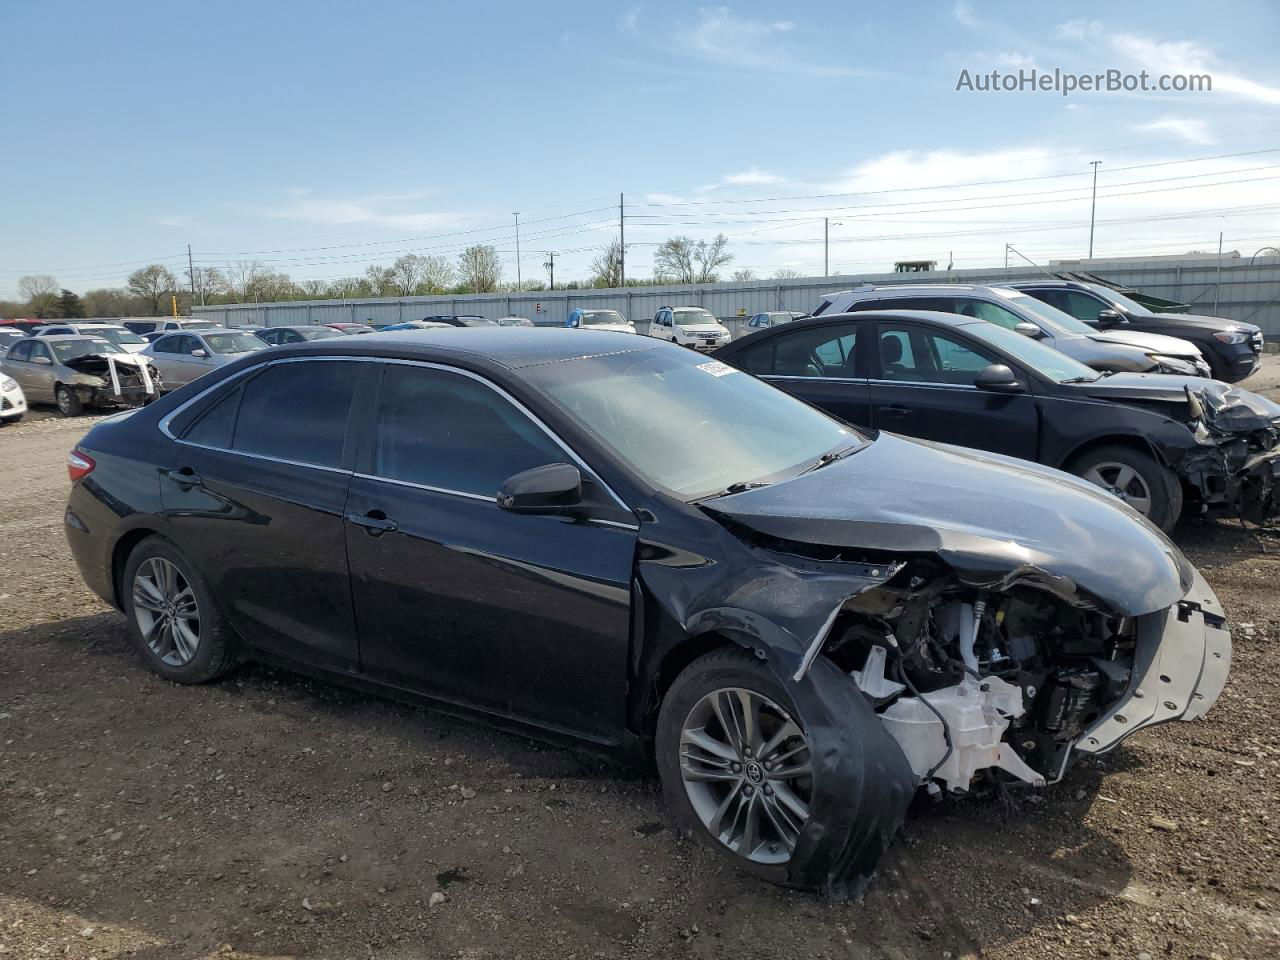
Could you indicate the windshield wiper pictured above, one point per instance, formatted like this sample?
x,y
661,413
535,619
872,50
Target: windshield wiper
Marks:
x,y
1082,379
831,456
742,486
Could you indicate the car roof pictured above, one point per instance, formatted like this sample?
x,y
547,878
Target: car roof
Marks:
x,y
63,337
888,313
509,347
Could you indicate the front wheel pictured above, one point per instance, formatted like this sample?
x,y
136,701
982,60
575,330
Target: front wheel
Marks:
x,y
1137,479
69,402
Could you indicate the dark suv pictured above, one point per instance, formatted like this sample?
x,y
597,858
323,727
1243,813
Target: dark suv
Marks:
x,y
1231,347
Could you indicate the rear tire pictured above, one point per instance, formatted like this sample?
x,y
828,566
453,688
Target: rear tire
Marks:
x,y
173,619
1136,478
69,402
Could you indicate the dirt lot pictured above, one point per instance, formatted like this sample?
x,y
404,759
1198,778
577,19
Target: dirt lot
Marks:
x,y
270,816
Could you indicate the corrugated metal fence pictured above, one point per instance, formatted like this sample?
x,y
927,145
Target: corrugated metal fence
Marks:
x,y
1235,289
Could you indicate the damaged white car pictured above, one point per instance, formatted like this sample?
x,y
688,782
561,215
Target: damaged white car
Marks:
x,y
76,372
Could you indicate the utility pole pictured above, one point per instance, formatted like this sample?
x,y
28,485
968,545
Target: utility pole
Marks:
x,y
191,273
622,241
551,265
519,284
1093,205
826,246
1217,283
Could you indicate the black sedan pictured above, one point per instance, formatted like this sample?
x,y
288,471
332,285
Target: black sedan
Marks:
x,y
648,550
1233,348
1156,442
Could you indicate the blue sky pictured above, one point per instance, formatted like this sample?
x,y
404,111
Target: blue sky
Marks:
x,y
342,134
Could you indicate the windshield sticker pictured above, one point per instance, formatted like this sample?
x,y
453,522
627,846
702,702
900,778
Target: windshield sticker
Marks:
x,y
716,368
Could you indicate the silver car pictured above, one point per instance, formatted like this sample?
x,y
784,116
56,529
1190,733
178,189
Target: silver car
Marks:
x,y
1106,351
121,336
77,372
182,357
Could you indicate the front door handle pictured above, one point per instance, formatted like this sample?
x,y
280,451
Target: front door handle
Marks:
x,y
896,410
184,477
375,522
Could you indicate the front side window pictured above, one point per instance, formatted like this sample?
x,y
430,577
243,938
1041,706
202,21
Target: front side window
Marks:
x,y
446,430
274,422
169,344
20,350
232,342
916,355
719,426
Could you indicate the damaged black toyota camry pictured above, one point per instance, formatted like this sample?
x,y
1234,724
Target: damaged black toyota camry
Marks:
x,y
620,541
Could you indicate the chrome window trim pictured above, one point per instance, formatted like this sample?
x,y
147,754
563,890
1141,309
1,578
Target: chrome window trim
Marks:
x,y
795,377
167,419
427,487
869,380
267,457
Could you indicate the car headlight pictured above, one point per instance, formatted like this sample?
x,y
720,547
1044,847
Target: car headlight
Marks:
x,y
1175,365
1231,336
8,383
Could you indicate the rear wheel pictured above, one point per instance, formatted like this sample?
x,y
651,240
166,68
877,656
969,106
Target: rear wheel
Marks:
x,y
173,619
1137,479
69,402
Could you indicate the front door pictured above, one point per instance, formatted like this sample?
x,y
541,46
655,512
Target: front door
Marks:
x,y
923,385
523,616
255,497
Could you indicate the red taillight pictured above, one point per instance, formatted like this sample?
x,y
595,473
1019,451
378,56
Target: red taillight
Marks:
x,y
79,465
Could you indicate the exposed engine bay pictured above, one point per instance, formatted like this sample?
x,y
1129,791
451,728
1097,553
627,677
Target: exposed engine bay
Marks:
x,y
978,685
109,378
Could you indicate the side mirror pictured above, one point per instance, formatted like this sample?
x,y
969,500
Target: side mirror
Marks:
x,y
999,379
200,352
44,360
547,489
1028,330
1109,317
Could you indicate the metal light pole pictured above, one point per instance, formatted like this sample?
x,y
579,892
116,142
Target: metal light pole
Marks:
x,y
1093,205
519,283
826,247
622,241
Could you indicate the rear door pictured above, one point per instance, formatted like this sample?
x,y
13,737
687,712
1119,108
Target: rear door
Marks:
x,y
922,385
522,616
818,365
255,496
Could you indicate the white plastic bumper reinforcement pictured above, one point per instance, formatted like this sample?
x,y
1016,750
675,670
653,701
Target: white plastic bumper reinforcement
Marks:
x,y
1180,667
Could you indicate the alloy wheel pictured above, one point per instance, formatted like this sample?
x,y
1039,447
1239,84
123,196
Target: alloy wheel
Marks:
x,y
747,772
166,610
1122,481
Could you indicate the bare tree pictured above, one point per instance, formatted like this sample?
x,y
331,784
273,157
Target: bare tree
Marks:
x,y
606,268
250,281
743,276
313,289
681,260
786,273
479,269
154,285
381,280
41,291
205,283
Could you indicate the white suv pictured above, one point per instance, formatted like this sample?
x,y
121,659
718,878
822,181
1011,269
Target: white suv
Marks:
x,y
689,327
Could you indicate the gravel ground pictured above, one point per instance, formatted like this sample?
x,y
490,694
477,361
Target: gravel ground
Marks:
x,y
273,816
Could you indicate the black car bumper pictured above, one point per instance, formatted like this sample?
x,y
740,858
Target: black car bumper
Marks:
x,y
1232,362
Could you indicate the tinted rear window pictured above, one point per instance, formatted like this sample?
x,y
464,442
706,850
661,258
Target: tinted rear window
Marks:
x,y
298,411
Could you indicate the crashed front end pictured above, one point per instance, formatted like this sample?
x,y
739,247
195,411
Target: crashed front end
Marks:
x,y
113,379
1235,467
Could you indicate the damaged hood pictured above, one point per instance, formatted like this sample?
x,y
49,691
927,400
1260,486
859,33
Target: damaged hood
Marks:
x,y
1230,408
97,362
1156,343
986,515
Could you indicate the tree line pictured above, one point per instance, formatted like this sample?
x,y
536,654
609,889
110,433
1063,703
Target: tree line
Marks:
x,y
151,290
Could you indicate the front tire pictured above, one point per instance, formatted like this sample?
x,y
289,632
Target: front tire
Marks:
x,y
174,622
735,763
1136,478
69,402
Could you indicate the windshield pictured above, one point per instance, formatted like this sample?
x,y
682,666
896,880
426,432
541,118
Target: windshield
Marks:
x,y
115,334
597,317
719,426
1053,318
693,318
1119,299
478,321
317,333
66,350
1046,361
233,342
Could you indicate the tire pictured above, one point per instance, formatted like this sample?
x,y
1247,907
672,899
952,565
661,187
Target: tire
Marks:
x,y
159,588
726,675
8,420
69,402
1147,486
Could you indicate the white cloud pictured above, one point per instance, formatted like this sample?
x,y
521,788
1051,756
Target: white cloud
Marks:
x,y
1189,57
1078,29
384,211
1191,130
718,36
630,20
964,14
752,177
663,198
171,221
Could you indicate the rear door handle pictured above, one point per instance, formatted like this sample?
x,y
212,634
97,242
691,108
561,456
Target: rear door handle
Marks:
x,y
184,477
896,410
375,522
